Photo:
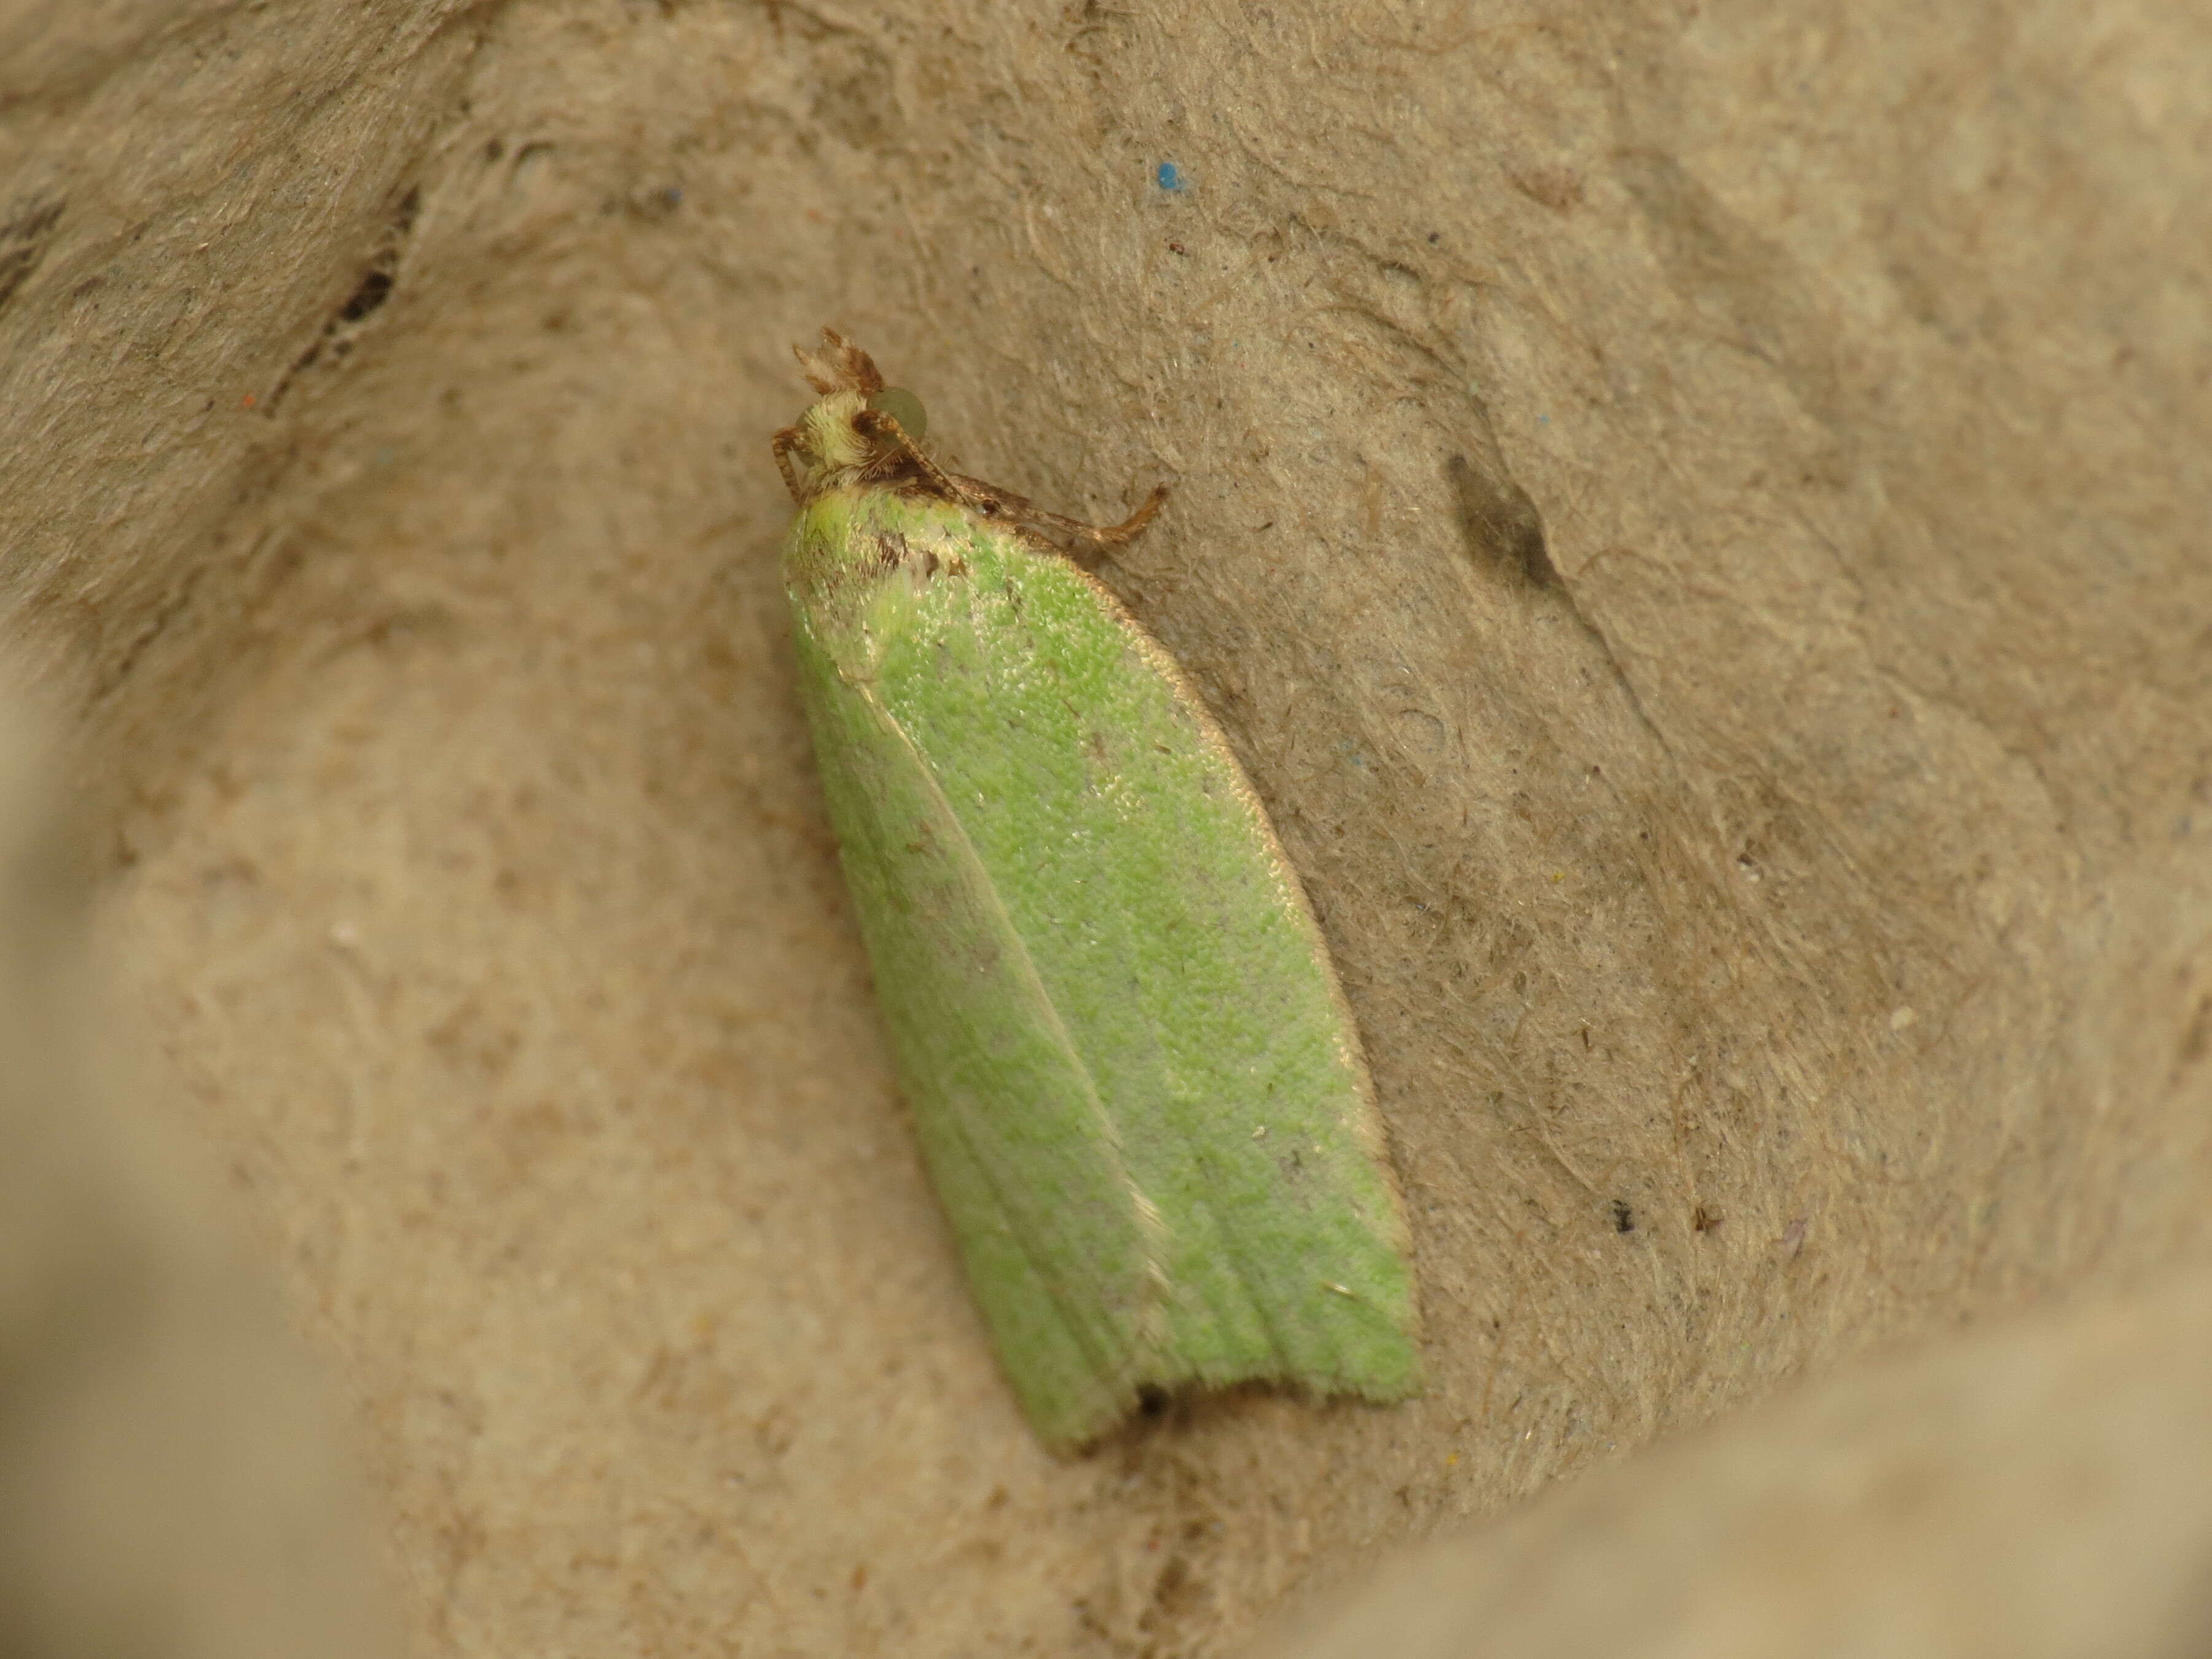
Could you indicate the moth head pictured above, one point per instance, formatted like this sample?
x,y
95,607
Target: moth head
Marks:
x,y
859,426
841,366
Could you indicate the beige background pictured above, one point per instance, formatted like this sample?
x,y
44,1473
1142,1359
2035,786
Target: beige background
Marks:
x,y
1693,518
178,1479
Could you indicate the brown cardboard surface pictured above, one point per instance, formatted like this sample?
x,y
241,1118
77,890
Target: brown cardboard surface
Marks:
x,y
1691,518
177,1480
2034,1491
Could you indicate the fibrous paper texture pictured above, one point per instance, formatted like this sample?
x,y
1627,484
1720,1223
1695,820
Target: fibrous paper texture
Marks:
x,y
1691,522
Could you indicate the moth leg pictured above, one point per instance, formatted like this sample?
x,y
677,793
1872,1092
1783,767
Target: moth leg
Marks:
x,y
1027,512
899,451
895,451
780,446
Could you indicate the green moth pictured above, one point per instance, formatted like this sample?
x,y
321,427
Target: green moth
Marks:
x,y
1137,1085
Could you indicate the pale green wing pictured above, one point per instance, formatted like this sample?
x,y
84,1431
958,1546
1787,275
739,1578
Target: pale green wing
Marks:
x,y
1019,1146
1171,947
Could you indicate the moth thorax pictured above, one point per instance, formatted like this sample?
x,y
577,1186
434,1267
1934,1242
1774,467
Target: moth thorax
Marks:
x,y
830,439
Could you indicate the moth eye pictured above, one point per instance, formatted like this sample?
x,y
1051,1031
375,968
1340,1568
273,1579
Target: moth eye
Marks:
x,y
901,406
